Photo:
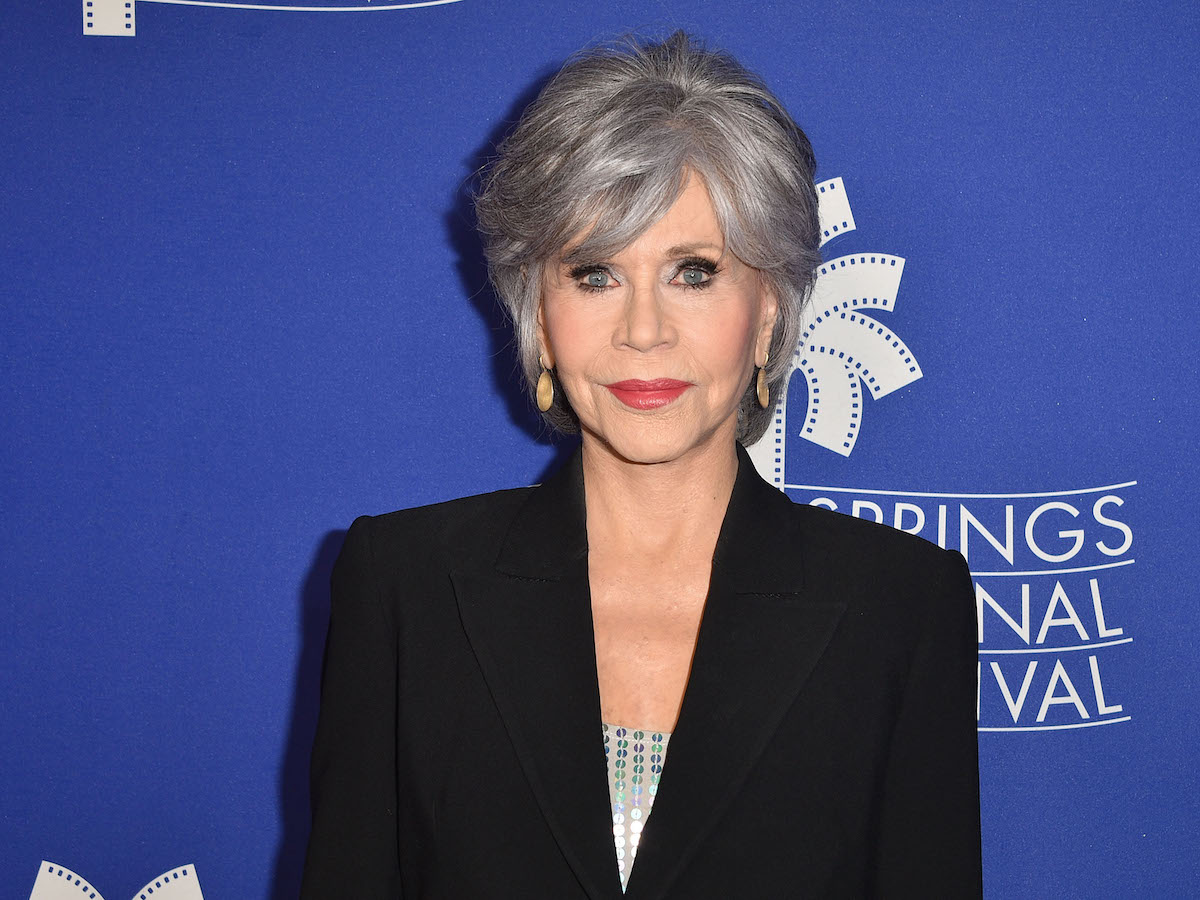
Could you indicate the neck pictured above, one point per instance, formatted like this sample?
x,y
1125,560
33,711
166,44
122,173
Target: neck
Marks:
x,y
652,511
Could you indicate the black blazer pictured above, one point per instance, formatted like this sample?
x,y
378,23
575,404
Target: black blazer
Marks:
x,y
826,744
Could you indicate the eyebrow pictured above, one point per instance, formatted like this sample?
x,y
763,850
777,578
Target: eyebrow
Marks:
x,y
693,249
573,258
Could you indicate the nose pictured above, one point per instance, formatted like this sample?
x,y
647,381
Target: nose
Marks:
x,y
644,325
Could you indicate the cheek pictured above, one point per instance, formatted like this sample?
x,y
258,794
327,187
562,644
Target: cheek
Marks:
x,y
563,334
727,343
575,333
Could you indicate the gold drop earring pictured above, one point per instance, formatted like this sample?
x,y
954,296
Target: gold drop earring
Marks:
x,y
761,387
545,386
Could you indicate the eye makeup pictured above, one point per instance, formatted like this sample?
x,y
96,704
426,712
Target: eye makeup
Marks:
x,y
585,277
594,277
696,264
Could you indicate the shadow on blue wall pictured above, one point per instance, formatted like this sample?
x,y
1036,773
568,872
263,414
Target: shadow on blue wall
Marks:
x,y
463,236
293,777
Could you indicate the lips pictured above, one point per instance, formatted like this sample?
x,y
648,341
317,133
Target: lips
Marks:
x,y
638,394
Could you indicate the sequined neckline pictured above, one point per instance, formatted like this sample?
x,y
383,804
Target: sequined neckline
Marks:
x,y
610,726
635,762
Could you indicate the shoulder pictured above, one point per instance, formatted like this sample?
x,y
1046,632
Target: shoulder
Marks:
x,y
847,549
838,532
901,592
464,520
461,532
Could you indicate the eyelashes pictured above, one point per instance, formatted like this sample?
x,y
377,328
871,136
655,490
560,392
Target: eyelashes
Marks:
x,y
693,272
697,264
592,278
704,264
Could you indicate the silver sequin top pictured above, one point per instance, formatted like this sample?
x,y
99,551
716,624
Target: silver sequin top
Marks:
x,y
635,763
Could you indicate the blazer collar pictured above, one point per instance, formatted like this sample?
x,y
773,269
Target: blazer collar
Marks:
x,y
548,536
758,549
530,624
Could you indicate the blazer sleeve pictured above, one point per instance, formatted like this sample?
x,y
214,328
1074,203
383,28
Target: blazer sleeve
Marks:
x,y
929,839
352,849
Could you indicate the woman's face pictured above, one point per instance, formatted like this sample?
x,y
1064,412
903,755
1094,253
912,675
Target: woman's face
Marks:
x,y
656,344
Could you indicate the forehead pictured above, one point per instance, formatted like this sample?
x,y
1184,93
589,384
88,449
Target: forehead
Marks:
x,y
690,219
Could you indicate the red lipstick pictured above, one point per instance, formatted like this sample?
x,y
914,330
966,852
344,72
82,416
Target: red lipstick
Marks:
x,y
639,394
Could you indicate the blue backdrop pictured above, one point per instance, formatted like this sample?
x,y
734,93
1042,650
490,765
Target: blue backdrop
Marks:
x,y
243,303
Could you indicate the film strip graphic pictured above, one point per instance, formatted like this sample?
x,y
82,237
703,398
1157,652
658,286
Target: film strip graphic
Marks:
x,y
118,18
55,882
843,350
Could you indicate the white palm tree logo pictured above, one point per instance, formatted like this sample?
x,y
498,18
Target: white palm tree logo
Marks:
x,y
843,349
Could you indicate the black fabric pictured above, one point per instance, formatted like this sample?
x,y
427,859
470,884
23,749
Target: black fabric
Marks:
x,y
826,744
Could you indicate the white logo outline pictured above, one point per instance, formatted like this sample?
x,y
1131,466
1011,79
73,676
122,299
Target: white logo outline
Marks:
x,y
118,18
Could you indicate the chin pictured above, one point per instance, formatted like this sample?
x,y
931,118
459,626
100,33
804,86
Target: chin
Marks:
x,y
652,442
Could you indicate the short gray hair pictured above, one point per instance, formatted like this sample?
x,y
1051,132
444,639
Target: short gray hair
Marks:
x,y
608,143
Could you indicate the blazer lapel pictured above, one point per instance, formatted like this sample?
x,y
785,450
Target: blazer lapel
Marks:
x,y
530,625
761,636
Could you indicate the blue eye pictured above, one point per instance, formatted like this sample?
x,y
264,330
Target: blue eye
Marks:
x,y
695,272
597,278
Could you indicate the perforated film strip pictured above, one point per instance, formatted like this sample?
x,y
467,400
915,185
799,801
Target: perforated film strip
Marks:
x,y
841,349
109,18
55,882
178,884
833,210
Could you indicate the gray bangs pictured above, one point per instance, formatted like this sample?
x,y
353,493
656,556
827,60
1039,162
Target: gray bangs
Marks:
x,y
603,154
614,218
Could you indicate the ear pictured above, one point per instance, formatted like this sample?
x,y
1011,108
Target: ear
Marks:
x,y
769,312
545,354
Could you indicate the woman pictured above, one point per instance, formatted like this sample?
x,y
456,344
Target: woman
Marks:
x,y
780,699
